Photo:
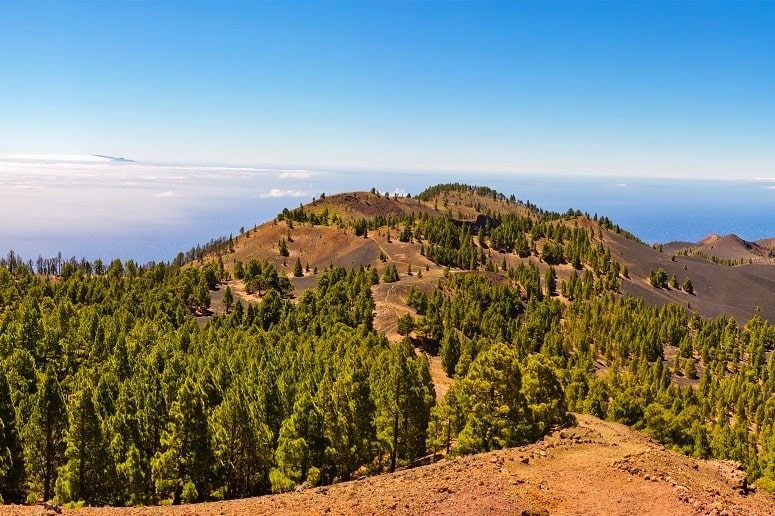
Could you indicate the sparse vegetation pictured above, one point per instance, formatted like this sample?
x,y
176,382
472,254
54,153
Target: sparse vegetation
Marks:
x,y
391,274
298,272
658,278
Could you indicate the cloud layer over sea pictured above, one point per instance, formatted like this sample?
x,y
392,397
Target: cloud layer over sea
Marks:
x,y
48,203
98,206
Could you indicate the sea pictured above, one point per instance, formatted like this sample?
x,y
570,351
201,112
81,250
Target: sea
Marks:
x,y
103,207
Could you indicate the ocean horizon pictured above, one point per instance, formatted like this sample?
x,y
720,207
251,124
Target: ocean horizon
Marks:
x,y
97,206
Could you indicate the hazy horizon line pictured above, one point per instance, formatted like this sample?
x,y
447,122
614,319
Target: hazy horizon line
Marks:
x,y
117,159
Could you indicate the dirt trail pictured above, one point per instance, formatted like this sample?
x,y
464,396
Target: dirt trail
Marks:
x,y
390,302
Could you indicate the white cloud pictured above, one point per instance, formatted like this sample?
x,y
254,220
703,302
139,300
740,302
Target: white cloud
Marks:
x,y
167,194
276,193
78,195
71,202
397,191
296,174
55,158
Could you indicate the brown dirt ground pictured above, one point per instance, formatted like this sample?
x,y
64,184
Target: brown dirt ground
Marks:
x,y
355,205
470,205
318,246
596,467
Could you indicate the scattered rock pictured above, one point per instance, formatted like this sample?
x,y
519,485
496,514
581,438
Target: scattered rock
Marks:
x,y
734,476
535,512
52,509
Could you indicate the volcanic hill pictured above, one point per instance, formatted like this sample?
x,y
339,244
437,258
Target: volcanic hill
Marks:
x,y
719,289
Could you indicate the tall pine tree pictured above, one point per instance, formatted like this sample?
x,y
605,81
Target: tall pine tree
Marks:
x,y
182,469
45,434
11,453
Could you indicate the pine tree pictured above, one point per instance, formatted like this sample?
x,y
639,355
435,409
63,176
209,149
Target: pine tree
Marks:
x,y
658,278
490,395
550,281
151,391
86,475
391,274
403,403
373,276
689,369
184,463
405,325
44,434
11,452
28,331
239,270
349,419
242,444
228,299
544,394
300,445
450,351
283,245
297,269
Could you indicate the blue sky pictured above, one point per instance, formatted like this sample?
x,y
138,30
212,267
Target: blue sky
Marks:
x,y
626,89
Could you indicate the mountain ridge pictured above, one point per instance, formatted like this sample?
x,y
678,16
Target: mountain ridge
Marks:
x,y
729,249
335,242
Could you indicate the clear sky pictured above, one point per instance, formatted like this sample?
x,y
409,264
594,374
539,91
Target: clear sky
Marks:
x,y
616,88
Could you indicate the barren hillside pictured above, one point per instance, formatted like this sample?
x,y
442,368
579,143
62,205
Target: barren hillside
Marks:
x,y
738,291
728,247
767,243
